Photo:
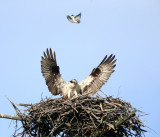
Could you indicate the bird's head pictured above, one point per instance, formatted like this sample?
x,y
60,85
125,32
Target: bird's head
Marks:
x,y
74,81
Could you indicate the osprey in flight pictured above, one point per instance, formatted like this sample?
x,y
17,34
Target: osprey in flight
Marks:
x,y
74,19
90,85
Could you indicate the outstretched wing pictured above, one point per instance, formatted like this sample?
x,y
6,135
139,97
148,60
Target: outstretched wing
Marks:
x,y
70,19
51,73
92,83
78,17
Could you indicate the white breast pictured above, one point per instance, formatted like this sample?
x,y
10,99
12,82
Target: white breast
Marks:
x,y
68,90
73,19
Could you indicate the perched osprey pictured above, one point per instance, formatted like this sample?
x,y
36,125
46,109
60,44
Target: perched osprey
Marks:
x,y
91,84
74,19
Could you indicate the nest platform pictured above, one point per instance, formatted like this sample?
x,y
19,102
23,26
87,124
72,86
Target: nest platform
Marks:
x,y
82,116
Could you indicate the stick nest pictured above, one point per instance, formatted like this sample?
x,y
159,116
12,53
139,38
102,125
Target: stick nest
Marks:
x,y
82,116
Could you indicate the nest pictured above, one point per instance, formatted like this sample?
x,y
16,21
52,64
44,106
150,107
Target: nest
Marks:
x,y
81,116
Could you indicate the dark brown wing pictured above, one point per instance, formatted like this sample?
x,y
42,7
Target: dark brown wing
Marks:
x,y
51,73
92,83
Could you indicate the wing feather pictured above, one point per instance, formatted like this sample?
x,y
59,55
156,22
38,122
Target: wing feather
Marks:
x,y
51,73
92,83
70,19
78,17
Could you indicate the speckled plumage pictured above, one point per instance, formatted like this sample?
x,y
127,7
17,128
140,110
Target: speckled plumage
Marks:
x,y
91,84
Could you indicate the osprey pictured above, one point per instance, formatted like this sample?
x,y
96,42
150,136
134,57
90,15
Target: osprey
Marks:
x,y
74,19
67,89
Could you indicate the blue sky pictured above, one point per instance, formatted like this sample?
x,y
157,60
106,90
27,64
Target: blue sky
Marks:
x,y
128,29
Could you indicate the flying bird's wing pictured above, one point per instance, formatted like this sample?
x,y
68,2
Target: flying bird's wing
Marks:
x,y
70,19
51,73
78,17
92,83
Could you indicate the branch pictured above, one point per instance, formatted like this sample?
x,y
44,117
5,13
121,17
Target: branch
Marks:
x,y
117,123
10,117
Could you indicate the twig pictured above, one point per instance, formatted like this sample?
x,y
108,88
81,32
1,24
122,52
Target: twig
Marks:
x,y
13,106
103,93
22,104
118,123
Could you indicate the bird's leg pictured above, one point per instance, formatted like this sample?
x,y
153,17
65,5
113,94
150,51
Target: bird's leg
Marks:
x,y
69,93
75,92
